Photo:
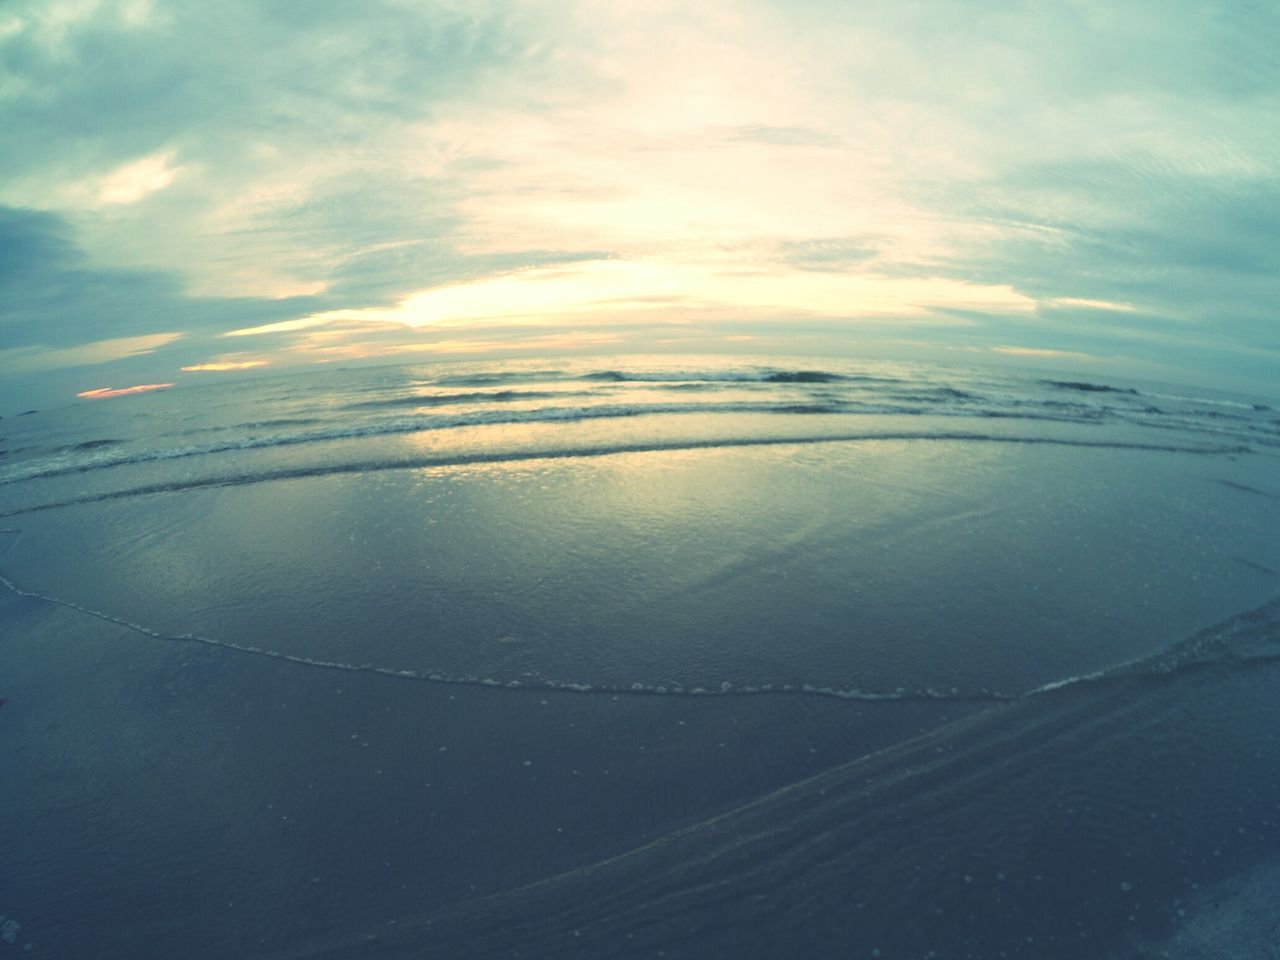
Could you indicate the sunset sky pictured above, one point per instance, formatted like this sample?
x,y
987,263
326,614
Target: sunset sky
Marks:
x,y
190,191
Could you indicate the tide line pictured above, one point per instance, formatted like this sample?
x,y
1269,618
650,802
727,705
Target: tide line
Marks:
x,y
540,684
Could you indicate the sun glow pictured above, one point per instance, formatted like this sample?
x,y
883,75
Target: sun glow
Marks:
x,y
605,289
218,366
1013,351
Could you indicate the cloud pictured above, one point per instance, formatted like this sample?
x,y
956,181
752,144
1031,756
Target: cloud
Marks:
x,y
1122,253
59,314
1043,353
298,131
1088,304
783,136
224,366
106,393
830,253
87,354
1083,178
138,178
52,298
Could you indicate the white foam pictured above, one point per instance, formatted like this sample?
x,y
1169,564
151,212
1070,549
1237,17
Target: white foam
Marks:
x,y
724,688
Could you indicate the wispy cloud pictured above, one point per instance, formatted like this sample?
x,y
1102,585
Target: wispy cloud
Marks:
x,y
224,366
87,354
106,393
1043,352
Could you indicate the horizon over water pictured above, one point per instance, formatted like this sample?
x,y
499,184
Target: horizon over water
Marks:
x,y
642,656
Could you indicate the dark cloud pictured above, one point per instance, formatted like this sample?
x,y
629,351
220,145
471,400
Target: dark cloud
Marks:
x,y
53,301
50,297
30,239
1193,257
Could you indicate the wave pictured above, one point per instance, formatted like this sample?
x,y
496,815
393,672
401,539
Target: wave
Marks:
x,y
732,376
33,470
1221,427
934,394
1251,635
277,422
412,425
80,447
93,444
1086,387
703,376
416,462
444,399
803,376
495,378
1215,402
271,424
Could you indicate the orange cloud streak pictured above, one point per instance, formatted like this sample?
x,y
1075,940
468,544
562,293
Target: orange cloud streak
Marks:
x,y
103,393
226,365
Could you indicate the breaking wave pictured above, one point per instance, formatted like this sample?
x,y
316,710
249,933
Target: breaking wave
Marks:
x,y
1086,387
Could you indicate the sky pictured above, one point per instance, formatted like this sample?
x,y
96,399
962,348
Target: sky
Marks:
x,y
193,190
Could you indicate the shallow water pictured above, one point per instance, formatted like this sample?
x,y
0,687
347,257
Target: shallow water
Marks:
x,y
307,661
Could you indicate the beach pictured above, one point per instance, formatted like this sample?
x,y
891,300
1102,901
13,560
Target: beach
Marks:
x,y
680,658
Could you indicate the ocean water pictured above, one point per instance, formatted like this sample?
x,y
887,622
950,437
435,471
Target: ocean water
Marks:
x,y
638,657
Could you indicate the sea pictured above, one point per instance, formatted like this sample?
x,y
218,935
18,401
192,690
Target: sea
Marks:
x,y
624,657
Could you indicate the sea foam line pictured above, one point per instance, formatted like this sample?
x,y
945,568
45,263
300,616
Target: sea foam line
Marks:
x,y
1221,641
542,684
1249,635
